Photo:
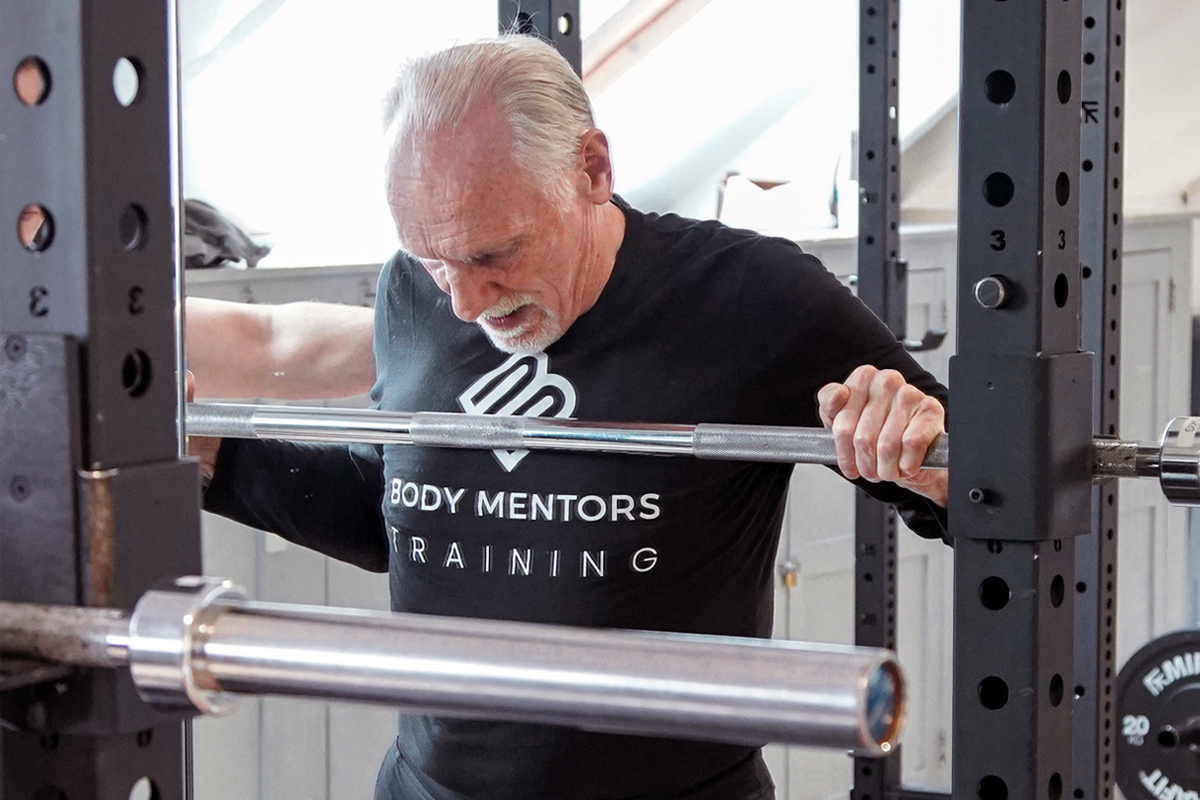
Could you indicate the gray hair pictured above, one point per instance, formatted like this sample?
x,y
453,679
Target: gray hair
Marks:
x,y
538,93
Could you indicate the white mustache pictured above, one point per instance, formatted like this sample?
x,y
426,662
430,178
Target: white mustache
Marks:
x,y
506,305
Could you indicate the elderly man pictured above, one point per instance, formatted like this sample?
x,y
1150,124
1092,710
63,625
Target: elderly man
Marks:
x,y
524,286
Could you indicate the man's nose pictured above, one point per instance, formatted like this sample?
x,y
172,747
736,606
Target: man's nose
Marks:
x,y
471,293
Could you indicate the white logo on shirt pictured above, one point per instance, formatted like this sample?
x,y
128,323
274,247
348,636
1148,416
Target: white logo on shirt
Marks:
x,y
523,386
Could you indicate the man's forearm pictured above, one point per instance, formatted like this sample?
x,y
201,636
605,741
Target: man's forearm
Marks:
x,y
294,351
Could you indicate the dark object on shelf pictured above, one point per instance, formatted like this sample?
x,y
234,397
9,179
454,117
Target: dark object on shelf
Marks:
x,y
211,240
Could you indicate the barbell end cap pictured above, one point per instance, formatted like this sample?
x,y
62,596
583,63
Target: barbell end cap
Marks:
x,y
1179,461
885,707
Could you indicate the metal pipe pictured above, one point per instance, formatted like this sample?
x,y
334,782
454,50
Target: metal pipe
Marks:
x,y
616,681
706,440
1175,461
86,637
203,643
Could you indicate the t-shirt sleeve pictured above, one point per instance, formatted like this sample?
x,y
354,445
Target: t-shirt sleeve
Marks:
x,y
800,329
325,497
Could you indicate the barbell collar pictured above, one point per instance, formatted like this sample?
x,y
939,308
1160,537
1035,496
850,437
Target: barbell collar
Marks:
x,y
1178,461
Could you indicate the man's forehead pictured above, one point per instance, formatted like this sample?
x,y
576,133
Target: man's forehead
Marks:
x,y
448,168
461,216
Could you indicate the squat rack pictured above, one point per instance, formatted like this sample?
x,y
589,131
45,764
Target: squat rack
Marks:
x,y
1039,235
92,336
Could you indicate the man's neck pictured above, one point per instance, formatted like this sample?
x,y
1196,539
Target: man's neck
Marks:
x,y
610,233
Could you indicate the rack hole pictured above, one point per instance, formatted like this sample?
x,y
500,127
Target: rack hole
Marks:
x,y
1061,290
1000,86
1057,590
144,789
998,189
1054,790
1064,87
993,692
993,788
31,81
127,81
131,227
1056,690
1080,691
566,24
35,228
1062,188
994,593
136,373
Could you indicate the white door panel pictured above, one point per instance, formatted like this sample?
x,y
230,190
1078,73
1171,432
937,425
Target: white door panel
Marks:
x,y
1152,568
819,541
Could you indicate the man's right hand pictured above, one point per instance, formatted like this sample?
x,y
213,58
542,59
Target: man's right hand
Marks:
x,y
203,448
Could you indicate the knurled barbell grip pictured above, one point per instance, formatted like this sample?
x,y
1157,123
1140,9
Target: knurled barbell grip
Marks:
x,y
787,445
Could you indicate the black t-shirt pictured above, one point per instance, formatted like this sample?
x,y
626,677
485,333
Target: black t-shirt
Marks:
x,y
698,323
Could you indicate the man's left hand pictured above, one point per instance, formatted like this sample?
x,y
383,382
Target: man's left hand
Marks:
x,y
882,425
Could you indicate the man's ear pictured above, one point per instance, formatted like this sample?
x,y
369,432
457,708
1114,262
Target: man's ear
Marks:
x,y
597,166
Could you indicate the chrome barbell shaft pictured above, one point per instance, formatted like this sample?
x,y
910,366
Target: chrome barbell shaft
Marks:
x,y
705,440
1175,464
196,645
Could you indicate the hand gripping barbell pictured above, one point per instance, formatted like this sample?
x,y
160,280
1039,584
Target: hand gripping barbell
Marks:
x,y
1175,460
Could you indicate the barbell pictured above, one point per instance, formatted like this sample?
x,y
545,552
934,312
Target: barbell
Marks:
x,y
201,643
1174,460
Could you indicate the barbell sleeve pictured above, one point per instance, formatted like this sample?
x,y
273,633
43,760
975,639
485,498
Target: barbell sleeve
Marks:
x,y
202,644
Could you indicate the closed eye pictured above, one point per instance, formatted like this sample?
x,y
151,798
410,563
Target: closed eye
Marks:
x,y
491,258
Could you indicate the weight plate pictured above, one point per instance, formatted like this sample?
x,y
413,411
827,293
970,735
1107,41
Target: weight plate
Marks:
x,y
1158,720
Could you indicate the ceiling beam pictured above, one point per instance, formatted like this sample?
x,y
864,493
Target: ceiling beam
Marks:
x,y
242,30
630,35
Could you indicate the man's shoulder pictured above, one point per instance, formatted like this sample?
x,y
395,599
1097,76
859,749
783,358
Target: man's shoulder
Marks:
x,y
672,239
694,234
